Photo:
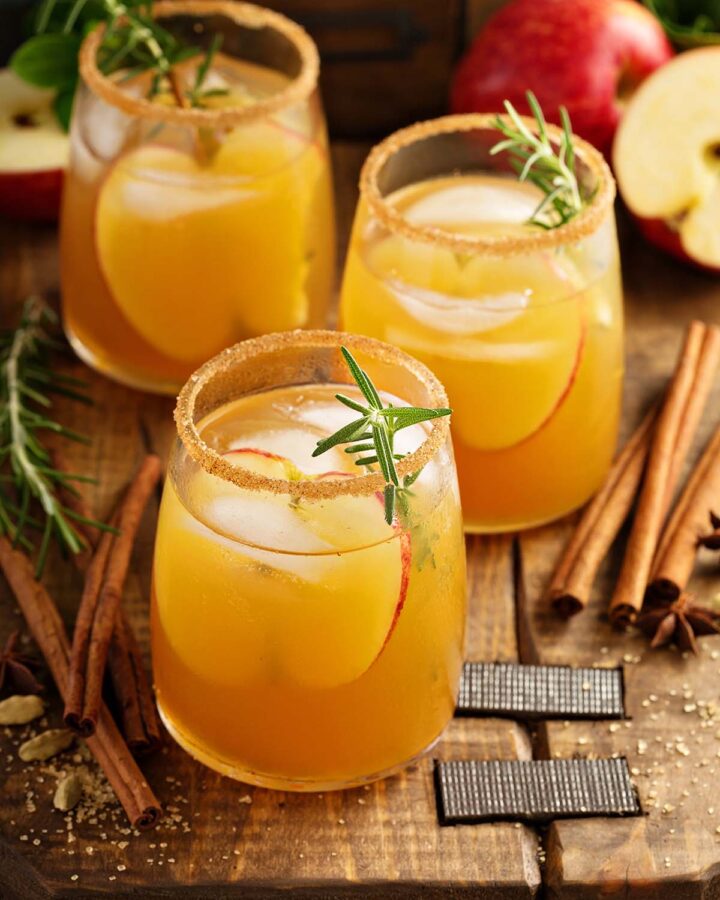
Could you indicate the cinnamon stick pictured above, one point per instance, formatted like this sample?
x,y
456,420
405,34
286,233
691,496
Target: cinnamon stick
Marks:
x,y
107,746
132,689
131,685
704,377
81,635
677,550
100,603
677,422
572,581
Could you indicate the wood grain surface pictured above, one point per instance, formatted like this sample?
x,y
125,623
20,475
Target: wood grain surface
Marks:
x,y
222,839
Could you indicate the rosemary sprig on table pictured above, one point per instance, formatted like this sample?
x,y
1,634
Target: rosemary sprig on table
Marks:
x,y
26,470
536,159
134,41
374,433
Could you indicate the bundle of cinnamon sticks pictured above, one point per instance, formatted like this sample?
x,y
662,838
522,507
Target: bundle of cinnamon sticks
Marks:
x,y
102,637
106,745
658,557
102,633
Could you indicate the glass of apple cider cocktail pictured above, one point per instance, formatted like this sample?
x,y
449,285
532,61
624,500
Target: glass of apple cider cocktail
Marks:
x,y
522,323
304,635
193,218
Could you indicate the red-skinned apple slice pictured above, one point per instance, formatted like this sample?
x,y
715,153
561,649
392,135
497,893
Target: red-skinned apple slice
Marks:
x,y
345,654
667,157
33,152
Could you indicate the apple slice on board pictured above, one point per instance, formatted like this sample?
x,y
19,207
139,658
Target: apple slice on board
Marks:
x,y
33,152
305,617
667,157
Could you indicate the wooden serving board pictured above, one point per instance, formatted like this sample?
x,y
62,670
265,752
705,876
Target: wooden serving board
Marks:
x,y
221,839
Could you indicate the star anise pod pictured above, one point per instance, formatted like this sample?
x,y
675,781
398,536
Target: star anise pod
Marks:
x,y
16,669
679,621
711,540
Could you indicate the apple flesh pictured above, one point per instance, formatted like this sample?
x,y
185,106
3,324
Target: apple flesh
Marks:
x,y
275,466
667,158
588,55
33,152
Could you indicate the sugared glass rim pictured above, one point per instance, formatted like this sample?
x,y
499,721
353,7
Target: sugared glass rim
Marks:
x,y
247,14
587,221
222,365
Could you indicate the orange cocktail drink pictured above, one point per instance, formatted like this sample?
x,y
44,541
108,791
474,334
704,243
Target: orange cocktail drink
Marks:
x,y
299,640
186,229
523,325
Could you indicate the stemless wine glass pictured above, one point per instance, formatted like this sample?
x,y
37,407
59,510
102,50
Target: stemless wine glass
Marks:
x,y
299,641
184,229
522,325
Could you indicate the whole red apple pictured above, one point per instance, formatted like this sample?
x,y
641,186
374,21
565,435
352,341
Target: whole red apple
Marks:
x,y
587,55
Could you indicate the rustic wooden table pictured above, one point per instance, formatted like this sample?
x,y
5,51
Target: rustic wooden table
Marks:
x,y
222,839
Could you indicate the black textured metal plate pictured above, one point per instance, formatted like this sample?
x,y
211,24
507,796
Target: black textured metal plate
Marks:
x,y
540,692
471,791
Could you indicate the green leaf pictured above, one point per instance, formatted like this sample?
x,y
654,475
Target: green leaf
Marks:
x,y
690,23
349,432
351,403
361,379
389,503
63,104
403,416
48,60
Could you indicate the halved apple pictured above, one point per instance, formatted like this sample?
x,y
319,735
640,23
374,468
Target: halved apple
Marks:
x,y
33,152
667,157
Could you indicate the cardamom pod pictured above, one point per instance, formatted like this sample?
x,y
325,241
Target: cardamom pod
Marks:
x,y
68,792
46,744
20,709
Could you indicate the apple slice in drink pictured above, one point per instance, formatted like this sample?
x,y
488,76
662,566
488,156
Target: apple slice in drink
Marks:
x,y
197,256
506,337
332,621
666,157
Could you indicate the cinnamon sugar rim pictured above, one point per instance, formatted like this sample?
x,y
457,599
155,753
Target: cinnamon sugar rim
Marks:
x,y
246,14
222,366
580,226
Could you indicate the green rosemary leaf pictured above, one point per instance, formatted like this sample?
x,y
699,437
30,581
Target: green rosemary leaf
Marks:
x,y
404,416
384,422
215,92
358,407
349,432
33,480
389,496
196,93
361,379
366,461
360,448
535,158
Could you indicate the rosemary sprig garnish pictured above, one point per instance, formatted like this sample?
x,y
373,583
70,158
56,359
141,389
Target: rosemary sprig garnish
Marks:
x,y
374,433
537,160
134,41
26,470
